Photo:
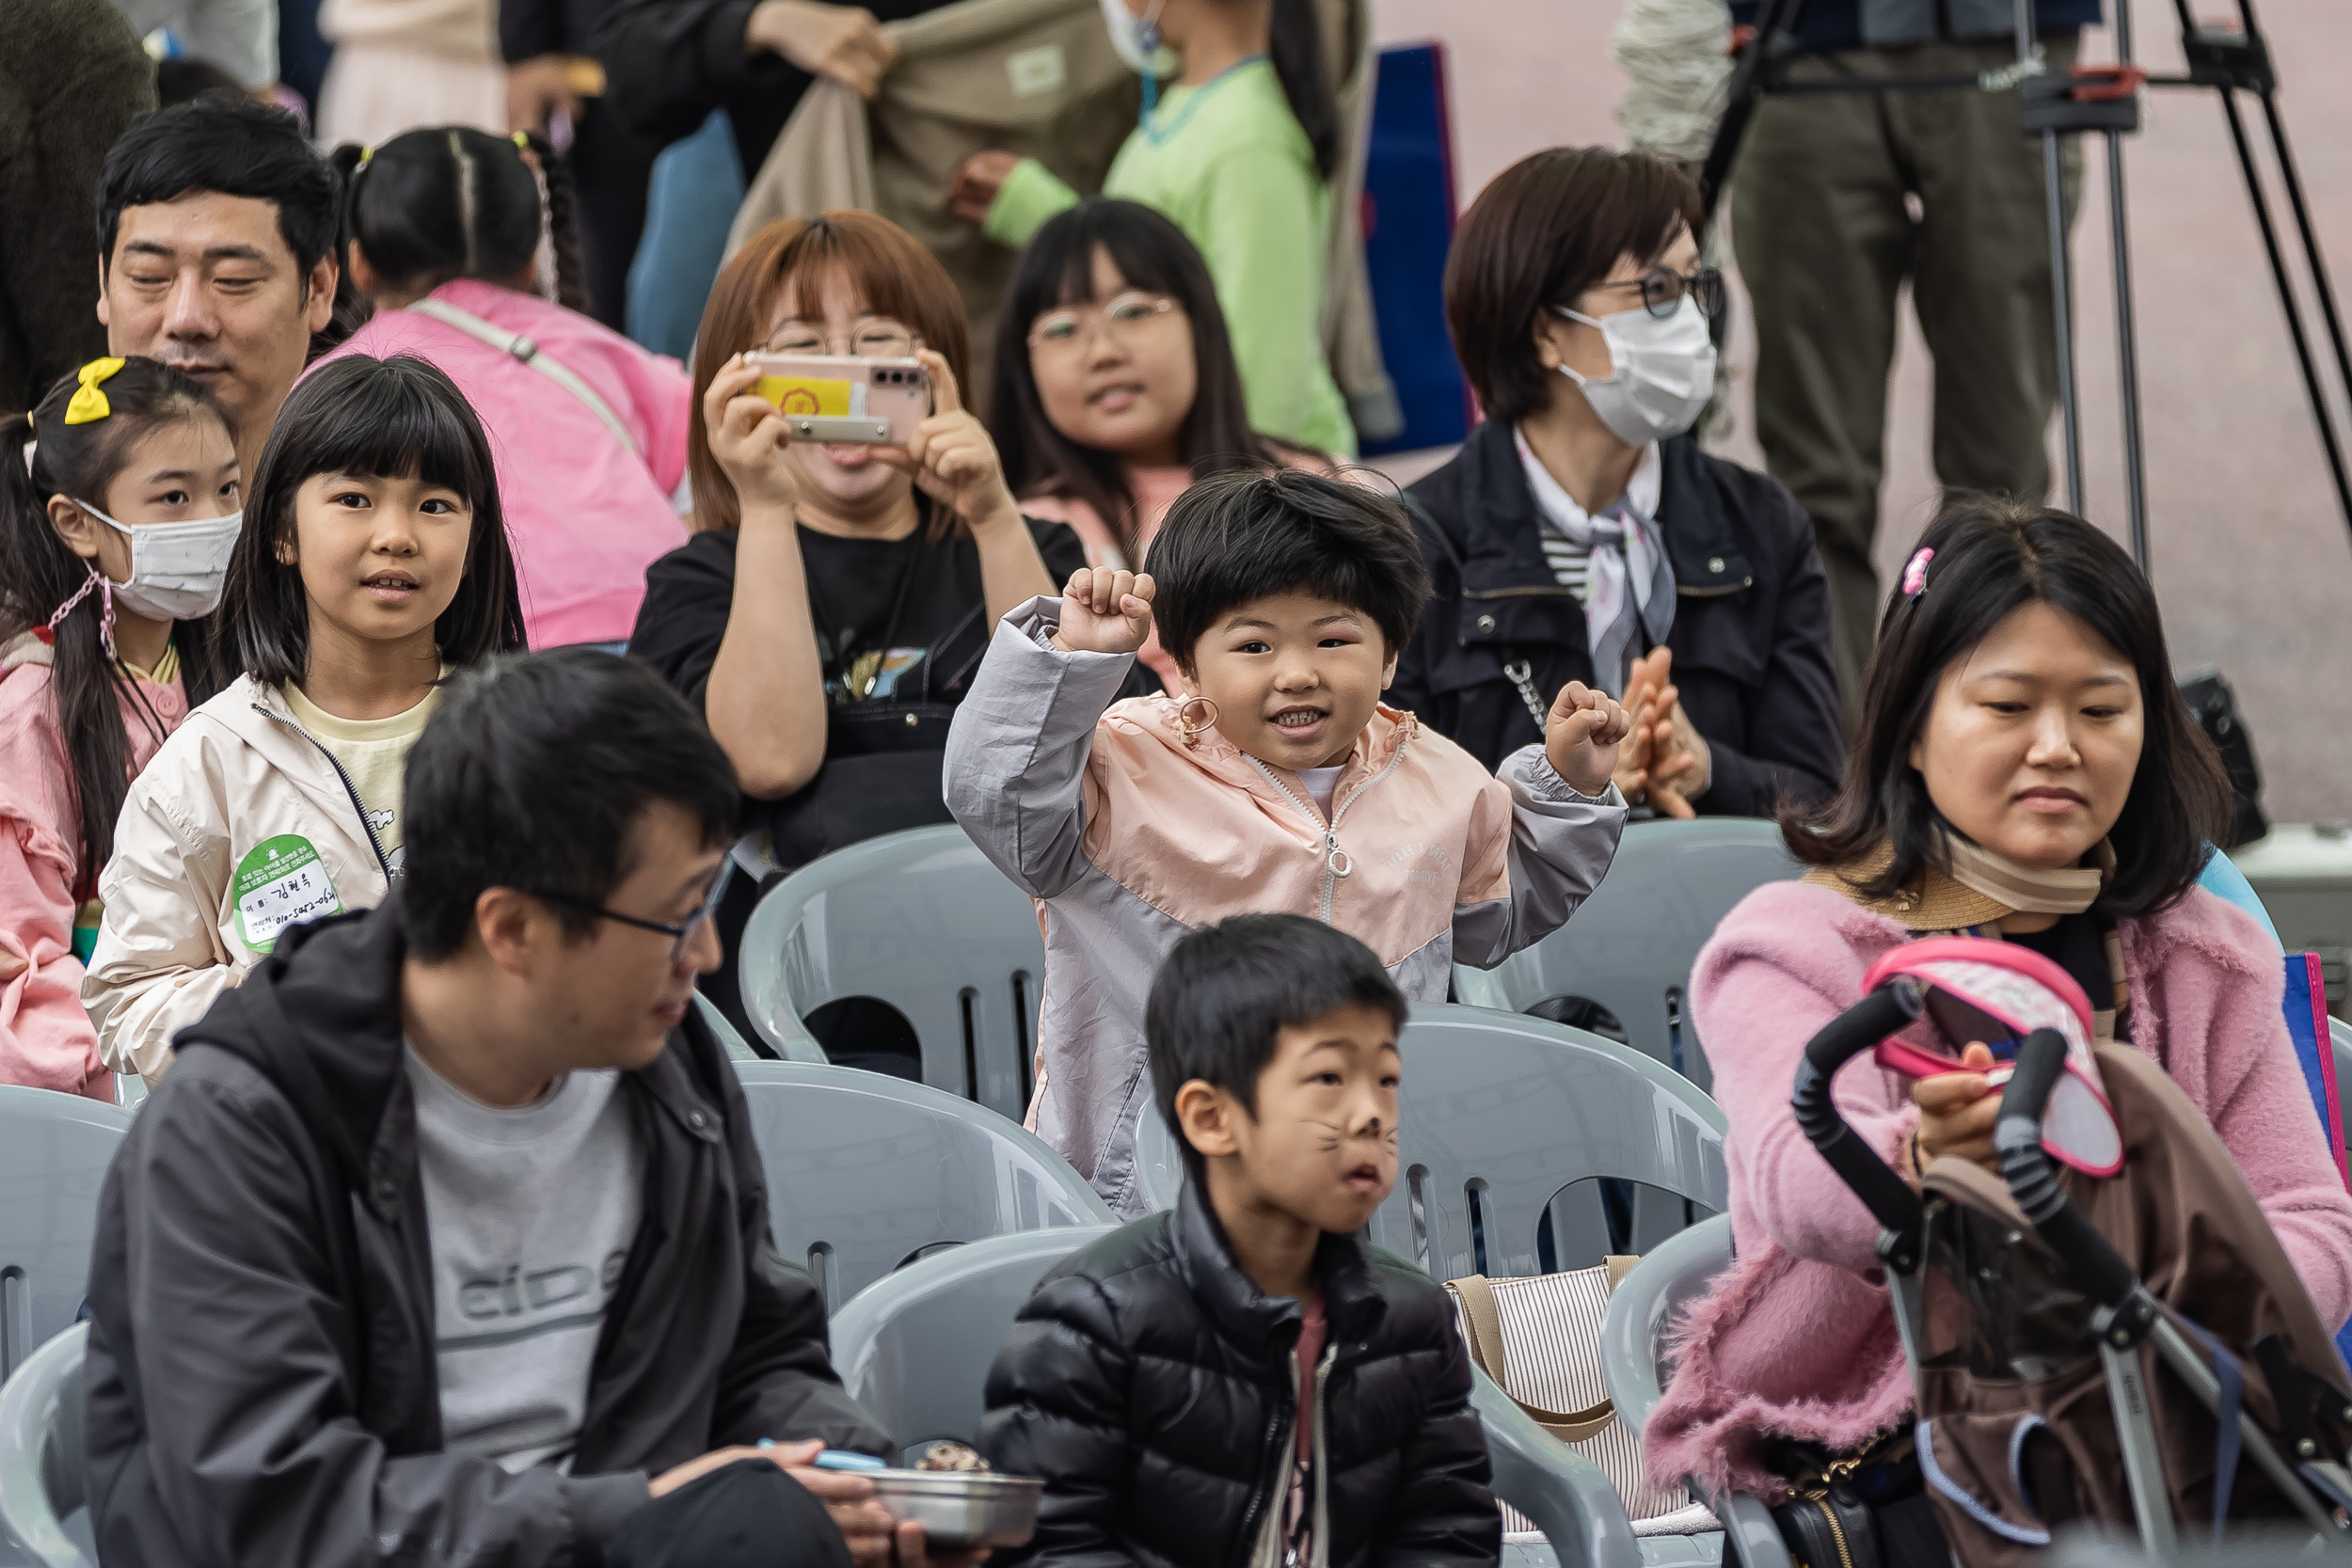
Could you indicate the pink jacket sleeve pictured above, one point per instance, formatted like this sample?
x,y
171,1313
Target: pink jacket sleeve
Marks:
x,y
2214,997
46,1041
1784,962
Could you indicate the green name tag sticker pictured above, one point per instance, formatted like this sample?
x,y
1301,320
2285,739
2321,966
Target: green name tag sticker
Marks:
x,y
280,882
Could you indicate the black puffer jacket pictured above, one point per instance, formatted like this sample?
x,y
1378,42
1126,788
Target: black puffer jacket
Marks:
x,y
1150,1381
1750,635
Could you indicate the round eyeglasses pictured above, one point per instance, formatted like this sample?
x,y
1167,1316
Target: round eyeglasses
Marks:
x,y
879,339
1064,333
1662,288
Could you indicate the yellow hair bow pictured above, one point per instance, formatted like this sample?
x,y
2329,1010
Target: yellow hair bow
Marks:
x,y
521,140
90,404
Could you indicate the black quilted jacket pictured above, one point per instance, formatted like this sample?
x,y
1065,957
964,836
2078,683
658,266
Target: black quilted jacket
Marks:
x,y
1150,1381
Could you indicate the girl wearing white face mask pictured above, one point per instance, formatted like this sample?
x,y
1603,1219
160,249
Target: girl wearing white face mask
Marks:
x,y
119,504
1583,535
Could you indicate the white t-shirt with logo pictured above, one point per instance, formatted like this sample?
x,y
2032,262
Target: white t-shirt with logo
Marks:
x,y
529,1213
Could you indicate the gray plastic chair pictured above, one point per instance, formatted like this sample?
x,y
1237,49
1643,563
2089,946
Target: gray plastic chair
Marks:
x,y
920,920
915,1348
1499,1112
42,1465
867,1172
1634,1360
915,1351
2340,1038
1630,946
798,1045
1502,1111
53,1154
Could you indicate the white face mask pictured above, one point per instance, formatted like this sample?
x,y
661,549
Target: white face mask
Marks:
x,y
176,568
1662,372
1135,39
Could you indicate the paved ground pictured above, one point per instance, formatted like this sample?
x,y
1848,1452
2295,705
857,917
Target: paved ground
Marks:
x,y
2252,561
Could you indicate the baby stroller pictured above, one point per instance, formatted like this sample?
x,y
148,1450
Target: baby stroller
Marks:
x,y
2099,1339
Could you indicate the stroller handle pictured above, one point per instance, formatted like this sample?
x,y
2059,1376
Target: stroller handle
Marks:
x,y
1882,1012
2094,1264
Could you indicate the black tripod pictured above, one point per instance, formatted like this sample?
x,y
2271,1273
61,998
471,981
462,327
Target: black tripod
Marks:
x,y
2104,99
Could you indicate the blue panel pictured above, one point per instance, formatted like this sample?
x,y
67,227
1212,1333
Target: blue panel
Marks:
x,y
1408,223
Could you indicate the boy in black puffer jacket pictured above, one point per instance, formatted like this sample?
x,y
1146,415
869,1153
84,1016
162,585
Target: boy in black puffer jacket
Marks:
x,y
1244,1381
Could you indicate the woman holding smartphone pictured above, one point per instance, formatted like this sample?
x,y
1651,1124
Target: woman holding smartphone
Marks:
x,y
2025,772
831,605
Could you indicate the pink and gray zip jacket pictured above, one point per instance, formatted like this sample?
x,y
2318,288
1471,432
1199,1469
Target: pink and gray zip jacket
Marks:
x,y
1131,840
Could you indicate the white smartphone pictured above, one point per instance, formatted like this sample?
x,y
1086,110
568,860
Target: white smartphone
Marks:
x,y
844,399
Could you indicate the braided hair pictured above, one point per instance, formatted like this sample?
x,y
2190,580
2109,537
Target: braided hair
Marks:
x,y
451,201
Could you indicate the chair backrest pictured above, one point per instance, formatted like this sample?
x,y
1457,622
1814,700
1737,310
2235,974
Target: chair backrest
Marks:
x,y
53,1154
41,1462
915,1351
2340,1041
1499,1112
1630,946
920,920
915,1348
866,1172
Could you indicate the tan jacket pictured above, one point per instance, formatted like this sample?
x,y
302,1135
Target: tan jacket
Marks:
x,y
1039,78
242,824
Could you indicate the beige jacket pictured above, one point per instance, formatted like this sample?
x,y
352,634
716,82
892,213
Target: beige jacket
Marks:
x,y
241,825
1039,78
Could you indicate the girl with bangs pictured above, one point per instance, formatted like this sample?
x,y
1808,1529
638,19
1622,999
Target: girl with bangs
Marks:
x,y
375,559
1127,390
828,613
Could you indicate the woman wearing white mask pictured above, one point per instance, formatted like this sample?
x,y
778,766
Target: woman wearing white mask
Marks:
x,y
117,518
1582,534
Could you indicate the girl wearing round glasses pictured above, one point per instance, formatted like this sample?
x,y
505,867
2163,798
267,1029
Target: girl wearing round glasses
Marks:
x,y
1127,391
1582,534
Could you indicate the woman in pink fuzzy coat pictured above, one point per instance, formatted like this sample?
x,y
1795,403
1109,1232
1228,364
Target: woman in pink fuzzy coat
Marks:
x,y
2026,771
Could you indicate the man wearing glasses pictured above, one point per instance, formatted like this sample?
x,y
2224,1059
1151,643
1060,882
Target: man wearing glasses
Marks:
x,y
447,1238
1582,534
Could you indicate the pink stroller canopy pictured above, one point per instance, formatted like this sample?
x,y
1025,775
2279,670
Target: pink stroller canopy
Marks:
x,y
1978,989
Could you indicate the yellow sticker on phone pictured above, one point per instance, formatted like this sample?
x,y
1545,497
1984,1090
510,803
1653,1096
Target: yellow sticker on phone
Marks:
x,y
799,394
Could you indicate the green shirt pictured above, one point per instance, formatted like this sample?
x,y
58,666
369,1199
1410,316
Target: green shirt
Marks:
x,y
1227,160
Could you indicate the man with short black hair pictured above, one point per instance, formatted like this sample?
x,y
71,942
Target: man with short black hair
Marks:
x,y
216,253
447,1238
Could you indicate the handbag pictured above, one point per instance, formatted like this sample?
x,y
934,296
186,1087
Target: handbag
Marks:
x,y
1539,1339
1867,1509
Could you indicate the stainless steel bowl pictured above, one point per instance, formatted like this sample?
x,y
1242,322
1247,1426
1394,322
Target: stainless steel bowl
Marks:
x,y
959,1510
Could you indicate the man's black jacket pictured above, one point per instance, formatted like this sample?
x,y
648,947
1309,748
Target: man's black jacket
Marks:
x,y
1149,1381
263,1381
1750,636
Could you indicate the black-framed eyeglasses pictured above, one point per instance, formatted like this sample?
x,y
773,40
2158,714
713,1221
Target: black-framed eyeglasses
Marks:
x,y
1663,289
679,934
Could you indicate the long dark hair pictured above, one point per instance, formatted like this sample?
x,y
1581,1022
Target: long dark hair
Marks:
x,y
1294,42
1057,269
451,201
1993,556
38,573
390,419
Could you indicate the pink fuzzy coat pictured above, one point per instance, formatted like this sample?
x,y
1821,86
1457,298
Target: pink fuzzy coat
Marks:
x,y
1798,1338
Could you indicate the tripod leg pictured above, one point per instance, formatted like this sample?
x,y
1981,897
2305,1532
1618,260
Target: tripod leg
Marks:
x,y
2061,280
2062,316
2286,302
2312,256
2284,153
2127,350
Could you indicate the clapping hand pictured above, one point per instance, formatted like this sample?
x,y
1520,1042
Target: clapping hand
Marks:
x,y
1582,736
1104,612
1666,762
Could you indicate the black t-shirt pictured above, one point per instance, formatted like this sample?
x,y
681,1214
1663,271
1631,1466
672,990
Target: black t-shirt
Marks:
x,y
921,647
2077,944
